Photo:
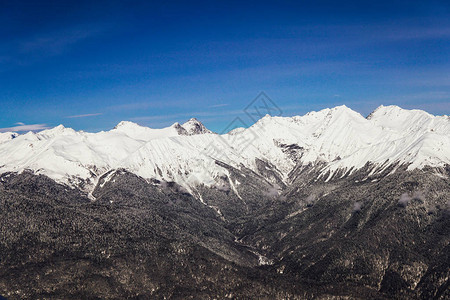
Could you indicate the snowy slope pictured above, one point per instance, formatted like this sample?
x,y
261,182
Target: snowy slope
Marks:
x,y
338,138
7,136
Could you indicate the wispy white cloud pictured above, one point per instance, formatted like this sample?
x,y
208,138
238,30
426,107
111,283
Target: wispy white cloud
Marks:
x,y
84,115
21,128
219,105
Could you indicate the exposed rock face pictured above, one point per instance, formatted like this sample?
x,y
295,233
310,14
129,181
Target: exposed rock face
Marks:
x,y
358,236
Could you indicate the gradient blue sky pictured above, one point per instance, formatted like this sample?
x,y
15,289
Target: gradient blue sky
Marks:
x,y
89,66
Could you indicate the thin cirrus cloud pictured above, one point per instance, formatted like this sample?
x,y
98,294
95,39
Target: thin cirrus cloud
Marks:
x,y
219,105
22,128
84,116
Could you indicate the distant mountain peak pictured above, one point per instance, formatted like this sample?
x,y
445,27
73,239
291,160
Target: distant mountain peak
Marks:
x,y
194,126
394,110
341,107
384,109
58,130
343,110
191,127
124,124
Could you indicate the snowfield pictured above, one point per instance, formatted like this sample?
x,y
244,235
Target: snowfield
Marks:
x,y
337,138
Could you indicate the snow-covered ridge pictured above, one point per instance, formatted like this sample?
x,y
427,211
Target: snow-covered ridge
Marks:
x,y
338,138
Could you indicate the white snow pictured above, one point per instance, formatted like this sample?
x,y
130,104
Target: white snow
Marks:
x,y
7,136
338,137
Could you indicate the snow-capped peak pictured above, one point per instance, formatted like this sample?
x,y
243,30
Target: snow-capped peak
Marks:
x,y
393,111
56,131
194,126
126,124
402,120
191,127
139,132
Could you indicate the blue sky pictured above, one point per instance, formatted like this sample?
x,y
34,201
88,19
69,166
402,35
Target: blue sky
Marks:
x,y
89,66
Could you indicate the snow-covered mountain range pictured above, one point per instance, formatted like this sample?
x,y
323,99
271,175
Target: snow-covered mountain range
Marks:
x,y
337,139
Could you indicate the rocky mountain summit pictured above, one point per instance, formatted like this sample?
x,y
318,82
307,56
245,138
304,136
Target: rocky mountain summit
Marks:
x,y
194,126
